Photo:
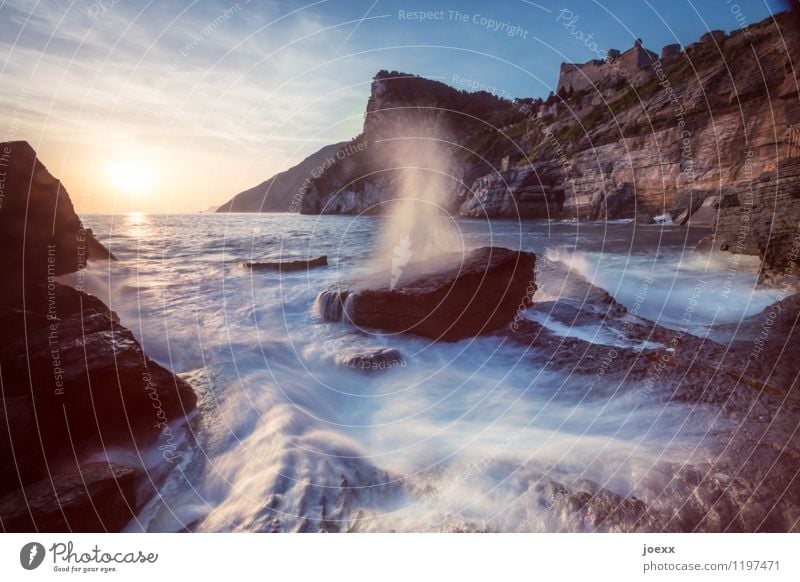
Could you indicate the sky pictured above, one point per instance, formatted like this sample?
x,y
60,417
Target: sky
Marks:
x,y
167,107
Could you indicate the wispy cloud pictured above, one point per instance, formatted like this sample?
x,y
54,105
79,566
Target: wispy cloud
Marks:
x,y
243,89
245,78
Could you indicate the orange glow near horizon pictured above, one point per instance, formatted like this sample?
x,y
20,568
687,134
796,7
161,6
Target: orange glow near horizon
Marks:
x,y
132,177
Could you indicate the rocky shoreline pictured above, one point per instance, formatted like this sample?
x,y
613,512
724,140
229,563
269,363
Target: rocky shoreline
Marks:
x,y
77,389
747,372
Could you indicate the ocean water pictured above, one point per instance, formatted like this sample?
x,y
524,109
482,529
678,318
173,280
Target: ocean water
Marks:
x,y
456,438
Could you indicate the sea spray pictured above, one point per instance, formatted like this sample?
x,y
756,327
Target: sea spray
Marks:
x,y
419,226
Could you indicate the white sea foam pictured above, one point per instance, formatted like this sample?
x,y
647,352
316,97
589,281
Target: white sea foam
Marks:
x,y
287,440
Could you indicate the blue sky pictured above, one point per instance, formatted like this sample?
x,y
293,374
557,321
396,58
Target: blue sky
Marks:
x,y
211,97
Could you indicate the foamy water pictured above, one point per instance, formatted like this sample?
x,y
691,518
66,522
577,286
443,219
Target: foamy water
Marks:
x,y
286,439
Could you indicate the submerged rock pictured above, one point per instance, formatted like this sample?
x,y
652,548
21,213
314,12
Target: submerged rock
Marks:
x,y
376,360
451,297
290,265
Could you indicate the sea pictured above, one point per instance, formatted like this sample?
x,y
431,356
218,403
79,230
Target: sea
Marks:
x,y
459,436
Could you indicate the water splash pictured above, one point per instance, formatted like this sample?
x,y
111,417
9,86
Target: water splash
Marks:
x,y
420,225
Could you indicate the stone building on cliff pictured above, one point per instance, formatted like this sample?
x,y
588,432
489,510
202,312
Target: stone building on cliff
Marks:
x,y
581,77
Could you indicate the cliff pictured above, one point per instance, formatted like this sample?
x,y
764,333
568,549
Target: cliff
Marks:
x,y
639,137
411,124
634,137
76,385
360,175
692,137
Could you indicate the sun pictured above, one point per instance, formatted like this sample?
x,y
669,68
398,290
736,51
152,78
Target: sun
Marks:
x,y
132,177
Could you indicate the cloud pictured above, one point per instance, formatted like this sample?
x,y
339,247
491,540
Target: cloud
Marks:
x,y
241,78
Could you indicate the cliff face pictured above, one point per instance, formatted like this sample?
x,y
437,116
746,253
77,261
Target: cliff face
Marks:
x,y
410,124
74,381
684,130
708,137
658,139
760,216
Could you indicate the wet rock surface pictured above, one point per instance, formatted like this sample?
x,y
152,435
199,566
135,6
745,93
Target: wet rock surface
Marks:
x,y
749,375
449,298
74,381
286,265
94,497
377,360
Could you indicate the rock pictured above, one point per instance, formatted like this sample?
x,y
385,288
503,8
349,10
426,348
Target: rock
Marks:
x,y
287,265
74,380
89,379
19,461
670,51
585,506
606,155
405,107
716,36
706,215
376,360
41,234
534,191
94,497
686,203
760,218
450,298
573,300
97,250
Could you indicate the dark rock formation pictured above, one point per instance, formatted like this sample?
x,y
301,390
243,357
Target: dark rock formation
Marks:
x,y
74,381
41,234
451,297
673,498
83,375
286,265
95,497
405,109
670,51
377,360
706,216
